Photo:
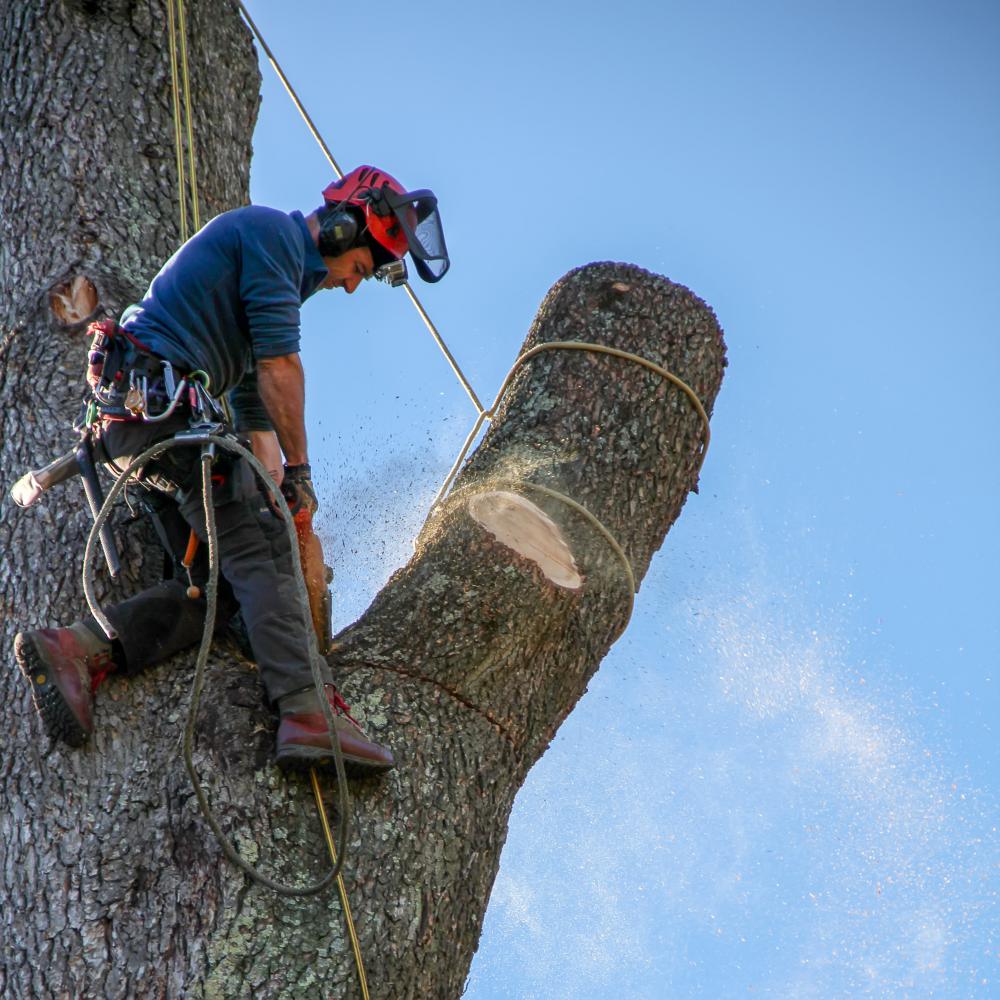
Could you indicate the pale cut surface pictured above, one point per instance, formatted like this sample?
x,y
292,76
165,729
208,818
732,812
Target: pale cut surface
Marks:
x,y
529,531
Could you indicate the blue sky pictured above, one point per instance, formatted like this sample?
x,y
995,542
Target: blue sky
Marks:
x,y
784,779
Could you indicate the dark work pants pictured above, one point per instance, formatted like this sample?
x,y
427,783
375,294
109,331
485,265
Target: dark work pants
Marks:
x,y
254,555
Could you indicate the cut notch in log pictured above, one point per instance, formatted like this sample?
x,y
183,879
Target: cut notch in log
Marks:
x,y
520,525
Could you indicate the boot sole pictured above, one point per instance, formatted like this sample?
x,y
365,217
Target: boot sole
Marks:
x,y
56,715
304,757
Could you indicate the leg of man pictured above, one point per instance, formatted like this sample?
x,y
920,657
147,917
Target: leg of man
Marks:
x,y
255,555
65,666
256,559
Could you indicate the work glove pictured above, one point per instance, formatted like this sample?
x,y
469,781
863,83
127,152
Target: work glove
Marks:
x,y
297,488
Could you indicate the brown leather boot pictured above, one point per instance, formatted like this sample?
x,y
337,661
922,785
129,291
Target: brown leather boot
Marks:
x,y
64,667
304,739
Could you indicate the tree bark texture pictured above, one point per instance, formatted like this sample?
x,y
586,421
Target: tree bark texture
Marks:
x,y
111,884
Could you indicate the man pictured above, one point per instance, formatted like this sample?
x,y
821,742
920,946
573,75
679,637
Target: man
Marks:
x,y
226,305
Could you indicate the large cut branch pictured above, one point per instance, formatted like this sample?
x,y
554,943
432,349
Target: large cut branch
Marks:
x,y
484,642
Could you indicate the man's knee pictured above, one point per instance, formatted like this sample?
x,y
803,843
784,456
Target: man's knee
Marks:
x,y
161,621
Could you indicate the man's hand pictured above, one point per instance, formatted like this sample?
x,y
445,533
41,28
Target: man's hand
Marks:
x,y
297,489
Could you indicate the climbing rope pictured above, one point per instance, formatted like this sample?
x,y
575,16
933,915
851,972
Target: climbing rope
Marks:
x,y
189,118
183,122
417,304
290,89
341,888
209,441
176,96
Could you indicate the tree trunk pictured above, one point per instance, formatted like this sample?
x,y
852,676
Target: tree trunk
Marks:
x,y
111,884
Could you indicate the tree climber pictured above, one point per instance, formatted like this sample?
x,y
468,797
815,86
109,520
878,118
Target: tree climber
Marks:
x,y
227,305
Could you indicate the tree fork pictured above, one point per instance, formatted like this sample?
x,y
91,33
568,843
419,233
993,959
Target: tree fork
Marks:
x,y
111,885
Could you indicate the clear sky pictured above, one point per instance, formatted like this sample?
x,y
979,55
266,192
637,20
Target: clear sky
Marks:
x,y
784,779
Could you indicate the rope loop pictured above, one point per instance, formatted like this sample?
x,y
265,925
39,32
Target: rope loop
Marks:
x,y
571,345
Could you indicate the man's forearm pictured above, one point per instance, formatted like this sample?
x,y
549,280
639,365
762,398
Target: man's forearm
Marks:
x,y
281,383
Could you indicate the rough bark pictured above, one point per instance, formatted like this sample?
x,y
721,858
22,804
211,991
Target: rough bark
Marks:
x,y
111,884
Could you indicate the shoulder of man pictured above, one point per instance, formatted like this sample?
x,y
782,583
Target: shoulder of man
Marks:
x,y
261,218
270,231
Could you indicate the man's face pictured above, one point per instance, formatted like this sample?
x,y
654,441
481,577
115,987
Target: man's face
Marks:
x,y
349,269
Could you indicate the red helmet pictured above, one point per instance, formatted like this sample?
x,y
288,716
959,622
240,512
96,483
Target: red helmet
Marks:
x,y
399,221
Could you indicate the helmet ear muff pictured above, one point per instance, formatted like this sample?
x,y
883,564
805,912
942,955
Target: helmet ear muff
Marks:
x,y
338,230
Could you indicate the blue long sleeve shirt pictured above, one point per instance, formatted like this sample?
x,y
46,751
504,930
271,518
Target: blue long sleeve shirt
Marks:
x,y
229,296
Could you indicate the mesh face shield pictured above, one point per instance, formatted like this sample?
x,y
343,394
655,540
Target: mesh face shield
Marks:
x,y
417,215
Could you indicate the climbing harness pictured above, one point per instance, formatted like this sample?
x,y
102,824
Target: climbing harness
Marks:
x,y
127,381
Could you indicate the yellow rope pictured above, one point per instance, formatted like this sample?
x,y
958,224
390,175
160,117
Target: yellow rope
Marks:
x,y
192,161
348,919
180,80
178,140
